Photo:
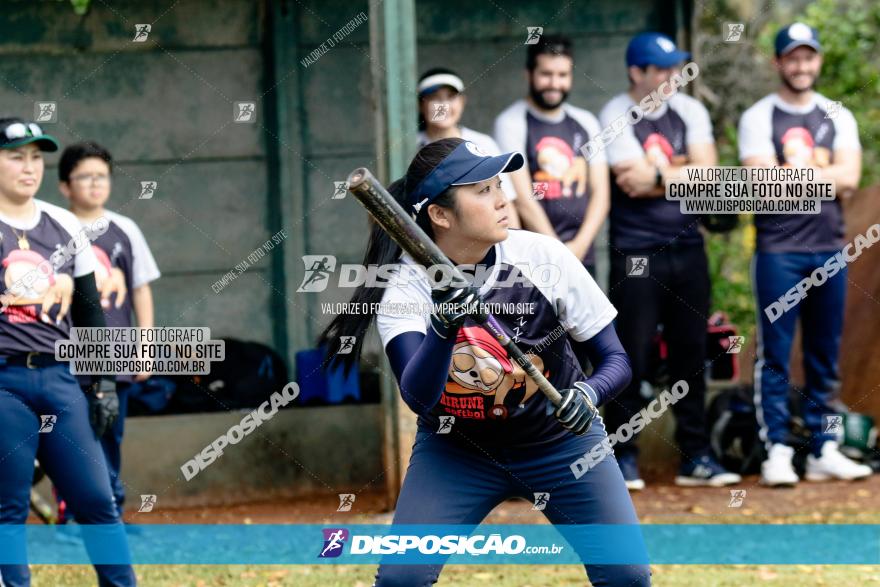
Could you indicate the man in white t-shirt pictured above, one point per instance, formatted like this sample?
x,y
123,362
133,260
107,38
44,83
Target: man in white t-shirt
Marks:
x,y
442,100
560,194
797,127
659,271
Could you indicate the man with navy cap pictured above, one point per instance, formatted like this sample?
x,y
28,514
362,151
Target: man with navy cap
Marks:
x,y
659,270
797,127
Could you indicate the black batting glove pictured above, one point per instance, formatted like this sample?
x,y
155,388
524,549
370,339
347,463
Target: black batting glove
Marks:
x,y
103,405
577,411
452,305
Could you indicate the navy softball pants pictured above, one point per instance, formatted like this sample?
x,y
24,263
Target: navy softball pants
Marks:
x,y
821,316
70,454
452,481
112,443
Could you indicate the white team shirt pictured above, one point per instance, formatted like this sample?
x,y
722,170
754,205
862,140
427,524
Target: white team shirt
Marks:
x,y
144,268
755,132
627,146
578,303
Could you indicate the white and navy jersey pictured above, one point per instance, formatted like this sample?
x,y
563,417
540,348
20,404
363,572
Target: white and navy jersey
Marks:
x,y
28,272
123,247
798,136
663,136
541,295
487,145
552,147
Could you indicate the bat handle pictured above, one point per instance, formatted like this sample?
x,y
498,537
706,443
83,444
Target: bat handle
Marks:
x,y
491,324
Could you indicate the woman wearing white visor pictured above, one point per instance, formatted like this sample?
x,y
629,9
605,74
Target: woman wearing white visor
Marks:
x,y
441,105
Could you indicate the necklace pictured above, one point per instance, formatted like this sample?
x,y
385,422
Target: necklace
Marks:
x,y
23,243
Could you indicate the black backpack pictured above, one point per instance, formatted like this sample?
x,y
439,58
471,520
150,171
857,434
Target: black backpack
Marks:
x,y
733,431
248,376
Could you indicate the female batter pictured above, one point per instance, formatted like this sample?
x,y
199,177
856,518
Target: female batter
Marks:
x,y
47,285
506,439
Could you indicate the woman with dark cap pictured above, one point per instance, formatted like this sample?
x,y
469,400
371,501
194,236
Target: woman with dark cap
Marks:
x,y
485,432
48,286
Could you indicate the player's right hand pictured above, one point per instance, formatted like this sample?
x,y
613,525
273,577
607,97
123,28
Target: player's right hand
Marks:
x,y
577,411
60,292
452,304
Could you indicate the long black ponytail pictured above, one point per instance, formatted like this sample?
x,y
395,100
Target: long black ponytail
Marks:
x,y
382,250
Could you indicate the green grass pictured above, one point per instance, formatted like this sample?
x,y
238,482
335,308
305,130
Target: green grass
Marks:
x,y
463,576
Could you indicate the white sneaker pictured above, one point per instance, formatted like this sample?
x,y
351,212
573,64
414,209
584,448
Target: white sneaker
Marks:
x,y
834,465
777,469
635,484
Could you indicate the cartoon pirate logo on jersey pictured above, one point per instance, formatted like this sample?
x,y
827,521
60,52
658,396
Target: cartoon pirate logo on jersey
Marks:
x,y
481,365
27,277
103,268
659,151
558,166
800,150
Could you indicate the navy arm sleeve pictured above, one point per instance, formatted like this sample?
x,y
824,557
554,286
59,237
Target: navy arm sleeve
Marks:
x,y
611,368
421,364
86,312
85,308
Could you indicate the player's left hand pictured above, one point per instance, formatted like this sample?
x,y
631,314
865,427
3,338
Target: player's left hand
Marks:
x,y
578,248
115,283
576,412
103,406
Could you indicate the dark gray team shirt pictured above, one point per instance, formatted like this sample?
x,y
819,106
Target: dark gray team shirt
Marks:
x,y
553,152
798,136
663,136
26,275
491,397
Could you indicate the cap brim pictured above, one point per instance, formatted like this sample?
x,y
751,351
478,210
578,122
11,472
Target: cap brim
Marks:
x,y
44,142
670,59
492,166
805,43
432,89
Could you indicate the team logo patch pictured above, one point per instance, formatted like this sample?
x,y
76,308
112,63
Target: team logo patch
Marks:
x,y
665,44
475,150
800,32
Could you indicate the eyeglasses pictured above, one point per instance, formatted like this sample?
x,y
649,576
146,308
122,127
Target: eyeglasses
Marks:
x,y
93,178
20,130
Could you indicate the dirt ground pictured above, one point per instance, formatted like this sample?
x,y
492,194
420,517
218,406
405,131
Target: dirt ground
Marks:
x,y
660,502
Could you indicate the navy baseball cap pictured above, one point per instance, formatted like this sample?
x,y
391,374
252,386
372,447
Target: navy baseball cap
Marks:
x,y
654,49
465,165
796,35
15,132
